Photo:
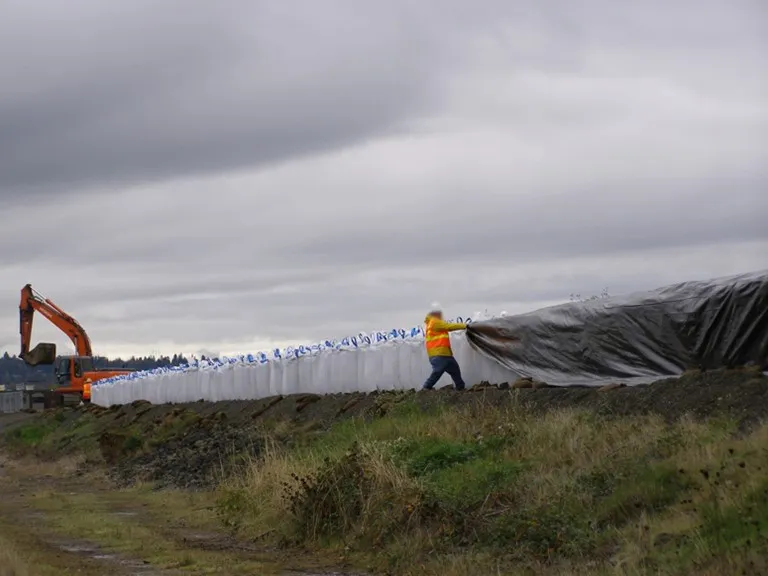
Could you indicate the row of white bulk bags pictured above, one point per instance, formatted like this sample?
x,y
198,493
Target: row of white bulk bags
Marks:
x,y
392,365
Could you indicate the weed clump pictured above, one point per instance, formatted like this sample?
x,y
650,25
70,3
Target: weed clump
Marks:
x,y
358,492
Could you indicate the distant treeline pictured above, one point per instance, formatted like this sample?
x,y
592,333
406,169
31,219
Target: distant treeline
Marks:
x,y
13,369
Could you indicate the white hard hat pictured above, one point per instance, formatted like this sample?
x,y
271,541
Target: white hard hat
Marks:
x,y
435,307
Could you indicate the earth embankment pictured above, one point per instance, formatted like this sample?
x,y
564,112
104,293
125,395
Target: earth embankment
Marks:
x,y
661,479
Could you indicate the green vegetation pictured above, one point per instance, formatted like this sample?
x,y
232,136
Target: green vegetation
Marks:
x,y
405,483
30,435
64,432
134,523
484,490
53,435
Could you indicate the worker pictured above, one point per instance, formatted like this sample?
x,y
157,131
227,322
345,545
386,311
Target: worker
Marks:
x,y
439,348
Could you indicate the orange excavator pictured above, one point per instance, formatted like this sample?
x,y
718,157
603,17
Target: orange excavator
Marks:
x,y
74,374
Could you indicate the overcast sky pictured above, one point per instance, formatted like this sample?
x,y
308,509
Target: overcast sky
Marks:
x,y
186,175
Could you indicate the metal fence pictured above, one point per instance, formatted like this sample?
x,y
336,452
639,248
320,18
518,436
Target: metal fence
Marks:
x,y
11,401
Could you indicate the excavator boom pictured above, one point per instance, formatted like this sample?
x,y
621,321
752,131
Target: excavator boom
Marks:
x,y
45,353
74,374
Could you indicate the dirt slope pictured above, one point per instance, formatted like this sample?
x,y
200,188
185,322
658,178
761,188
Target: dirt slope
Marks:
x,y
191,445
10,420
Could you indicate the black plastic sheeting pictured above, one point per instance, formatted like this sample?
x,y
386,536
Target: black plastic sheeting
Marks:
x,y
637,338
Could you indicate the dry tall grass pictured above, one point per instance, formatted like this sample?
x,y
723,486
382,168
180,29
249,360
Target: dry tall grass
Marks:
x,y
484,490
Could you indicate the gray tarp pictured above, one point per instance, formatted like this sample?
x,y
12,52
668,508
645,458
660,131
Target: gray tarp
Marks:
x,y
637,338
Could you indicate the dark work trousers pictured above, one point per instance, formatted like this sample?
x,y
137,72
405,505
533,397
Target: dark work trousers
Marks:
x,y
441,365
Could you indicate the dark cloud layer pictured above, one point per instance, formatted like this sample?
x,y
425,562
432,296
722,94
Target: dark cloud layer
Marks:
x,y
104,92
187,174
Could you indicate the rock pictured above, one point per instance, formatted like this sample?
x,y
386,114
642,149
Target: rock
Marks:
x,y
305,400
612,386
522,383
482,386
349,404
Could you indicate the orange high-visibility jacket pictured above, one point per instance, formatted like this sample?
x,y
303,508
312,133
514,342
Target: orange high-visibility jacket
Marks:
x,y
436,336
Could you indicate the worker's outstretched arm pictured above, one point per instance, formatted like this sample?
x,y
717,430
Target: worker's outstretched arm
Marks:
x,y
448,326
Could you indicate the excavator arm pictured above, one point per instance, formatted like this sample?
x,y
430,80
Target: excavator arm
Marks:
x,y
45,353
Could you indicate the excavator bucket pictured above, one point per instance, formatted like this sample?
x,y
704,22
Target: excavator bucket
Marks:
x,y
43,353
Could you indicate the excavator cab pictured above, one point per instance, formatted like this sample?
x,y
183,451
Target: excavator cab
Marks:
x,y
63,371
43,353
69,368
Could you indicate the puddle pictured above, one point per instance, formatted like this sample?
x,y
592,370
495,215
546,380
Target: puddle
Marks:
x,y
203,536
77,549
305,573
136,567
117,564
294,573
139,568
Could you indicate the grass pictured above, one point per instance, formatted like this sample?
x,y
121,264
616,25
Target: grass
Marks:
x,y
21,552
11,561
455,491
64,432
21,555
459,491
32,434
51,435
173,530
158,527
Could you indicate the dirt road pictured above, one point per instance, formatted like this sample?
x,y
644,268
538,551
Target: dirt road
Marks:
x,y
62,518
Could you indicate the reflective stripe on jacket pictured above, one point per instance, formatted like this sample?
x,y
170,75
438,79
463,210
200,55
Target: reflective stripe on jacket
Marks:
x,y
436,336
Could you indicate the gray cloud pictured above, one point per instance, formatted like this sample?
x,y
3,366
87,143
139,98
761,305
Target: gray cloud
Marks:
x,y
103,93
245,172
370,299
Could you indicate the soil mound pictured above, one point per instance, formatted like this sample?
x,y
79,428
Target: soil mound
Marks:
x,y
740,394
195,459
192,445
